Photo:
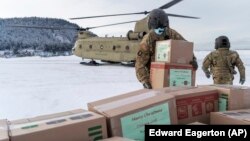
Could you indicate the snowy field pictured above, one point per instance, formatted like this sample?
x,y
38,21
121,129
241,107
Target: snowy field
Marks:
x,y
34,86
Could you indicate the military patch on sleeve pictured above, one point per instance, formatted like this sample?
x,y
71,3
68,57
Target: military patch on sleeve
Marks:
x,y
139,53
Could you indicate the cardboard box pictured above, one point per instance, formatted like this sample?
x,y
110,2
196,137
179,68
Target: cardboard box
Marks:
x,y
66,126
171,75
128,113
117,139
195,104
174,51
233,97
235,117
4,130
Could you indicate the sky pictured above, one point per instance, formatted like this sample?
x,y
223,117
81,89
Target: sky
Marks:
x,y
32,86
218,17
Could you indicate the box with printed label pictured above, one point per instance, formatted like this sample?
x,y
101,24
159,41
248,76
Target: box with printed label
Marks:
x,y
195,105
4,130
117,139
235,117
171,75
232,97
174,51
75,125
128,113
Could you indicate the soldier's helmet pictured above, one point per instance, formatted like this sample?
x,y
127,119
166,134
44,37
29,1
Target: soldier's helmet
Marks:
x,y
158,18
222,42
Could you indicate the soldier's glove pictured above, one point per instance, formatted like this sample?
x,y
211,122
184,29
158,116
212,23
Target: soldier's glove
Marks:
x,y
194,64
242,81
207,73
147,85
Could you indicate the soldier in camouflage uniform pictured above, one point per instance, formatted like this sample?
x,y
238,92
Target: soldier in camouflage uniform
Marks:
x,y
158,24
221,63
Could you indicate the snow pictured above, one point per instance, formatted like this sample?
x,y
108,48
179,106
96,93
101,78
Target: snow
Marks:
x,y
33,86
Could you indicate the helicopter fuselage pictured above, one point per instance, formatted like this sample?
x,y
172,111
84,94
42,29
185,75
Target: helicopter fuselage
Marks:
x,y
115,49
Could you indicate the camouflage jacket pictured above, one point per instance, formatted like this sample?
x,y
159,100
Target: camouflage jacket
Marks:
x,y
221,63
146,53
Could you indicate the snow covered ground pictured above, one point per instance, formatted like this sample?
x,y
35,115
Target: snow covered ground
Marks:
x,y
34,86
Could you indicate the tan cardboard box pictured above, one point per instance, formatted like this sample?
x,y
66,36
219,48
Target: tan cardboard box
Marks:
x,y
195,104
171,75
77,126
174,51
233,97
4,130
231,117
128,113
117,139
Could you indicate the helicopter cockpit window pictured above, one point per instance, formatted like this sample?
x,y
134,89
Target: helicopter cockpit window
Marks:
x,y
114,47
90,46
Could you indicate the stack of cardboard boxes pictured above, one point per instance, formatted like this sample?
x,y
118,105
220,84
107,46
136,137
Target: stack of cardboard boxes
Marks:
x,y
122,117
128,113
234,105
172,64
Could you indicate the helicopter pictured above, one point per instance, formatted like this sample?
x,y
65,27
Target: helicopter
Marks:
x,y
121,50
115,49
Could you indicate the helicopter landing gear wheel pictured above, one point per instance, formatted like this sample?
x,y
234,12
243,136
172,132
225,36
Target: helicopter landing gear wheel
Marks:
x,y
91,63
128,64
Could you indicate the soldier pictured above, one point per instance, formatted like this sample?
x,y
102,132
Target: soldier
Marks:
x,y
221,63
158,24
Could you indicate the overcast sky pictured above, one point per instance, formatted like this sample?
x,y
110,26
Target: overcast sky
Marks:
x,y
218,17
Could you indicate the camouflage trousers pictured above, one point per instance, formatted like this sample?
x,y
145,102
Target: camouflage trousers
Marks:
x,y
223,79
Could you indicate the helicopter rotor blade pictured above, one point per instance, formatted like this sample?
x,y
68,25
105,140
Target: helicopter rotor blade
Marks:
x,y
138,13
48,27
165,6
110,24
181,16
68,28
170,4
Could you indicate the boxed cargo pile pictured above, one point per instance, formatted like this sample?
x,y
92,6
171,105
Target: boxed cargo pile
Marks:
x,y
117,139
174,51
172,64
171,75
195,104
76,125
128,113
233,97
235,117
4,130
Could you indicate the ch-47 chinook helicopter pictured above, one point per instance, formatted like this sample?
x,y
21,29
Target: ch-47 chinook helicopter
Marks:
x,y
115,49
110,49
